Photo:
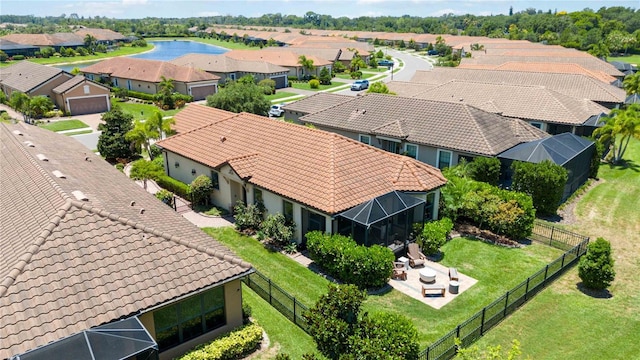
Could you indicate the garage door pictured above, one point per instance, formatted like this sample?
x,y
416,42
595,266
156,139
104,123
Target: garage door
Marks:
x,y
90,105
281,81
201,92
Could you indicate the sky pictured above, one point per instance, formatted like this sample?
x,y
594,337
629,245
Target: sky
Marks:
x,y
127,9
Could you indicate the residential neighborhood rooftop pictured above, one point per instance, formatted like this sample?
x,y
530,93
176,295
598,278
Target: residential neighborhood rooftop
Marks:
x,y
147,70
25,75
282,57
222,63
317,102
323,170
541,67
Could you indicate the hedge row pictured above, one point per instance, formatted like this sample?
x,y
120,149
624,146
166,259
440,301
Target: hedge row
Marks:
x,y
340,256
175,186
234,345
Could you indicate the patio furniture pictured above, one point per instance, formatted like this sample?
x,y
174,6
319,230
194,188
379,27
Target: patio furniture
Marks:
x,y
416,257
453,274
454,287
434,287
427,275
405,261
399,271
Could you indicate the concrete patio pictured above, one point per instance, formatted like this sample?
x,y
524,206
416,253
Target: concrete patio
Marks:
x,y
413,286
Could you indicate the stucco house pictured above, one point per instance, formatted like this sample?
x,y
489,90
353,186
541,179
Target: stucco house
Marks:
x,y
83,247
310,176
282,57
72,94
145,76
232,69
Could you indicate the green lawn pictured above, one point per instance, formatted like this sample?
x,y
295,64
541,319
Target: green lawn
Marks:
x,y
284,336
280,95
631,59
81,132
124,50
498,269
225,44
365,75
64,125
305,85
141,111
581,326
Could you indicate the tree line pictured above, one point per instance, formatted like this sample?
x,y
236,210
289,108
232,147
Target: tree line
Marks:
x,y
617,28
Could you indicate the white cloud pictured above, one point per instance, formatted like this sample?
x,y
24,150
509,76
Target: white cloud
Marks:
x,y
134,2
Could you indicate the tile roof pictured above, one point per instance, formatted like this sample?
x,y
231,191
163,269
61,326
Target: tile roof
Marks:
x,y
409,88
565,68
57,39
25,75
517,101
439,124
198,117
225,64
589,63
278,56
100,34
5,45
147,70
316,102
323,170
575,85
67,265
73,82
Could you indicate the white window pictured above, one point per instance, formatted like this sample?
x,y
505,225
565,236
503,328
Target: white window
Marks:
x,y
365,139
444,159
411,150
86,89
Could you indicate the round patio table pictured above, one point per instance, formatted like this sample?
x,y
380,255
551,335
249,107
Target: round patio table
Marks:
x,y
428,275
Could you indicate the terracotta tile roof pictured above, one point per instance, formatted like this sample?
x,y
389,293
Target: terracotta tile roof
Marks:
x,y
100,34
590,63
68,265
409,88
556,68
438,124
281,57
320,169
316,102
225,64
198,117
25,75
575,85
73,82
147,70
517,101
57,39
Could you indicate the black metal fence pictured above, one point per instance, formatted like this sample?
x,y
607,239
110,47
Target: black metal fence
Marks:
x,y
286,304
474,327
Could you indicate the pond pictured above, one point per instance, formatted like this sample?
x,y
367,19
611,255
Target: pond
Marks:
x,y
165,51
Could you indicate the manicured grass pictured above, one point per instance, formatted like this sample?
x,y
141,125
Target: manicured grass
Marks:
x,y
631,59
141,111
284,336
81,132
496,268
64,125
280,95
124,50
581,326
221,43
348,77
305,85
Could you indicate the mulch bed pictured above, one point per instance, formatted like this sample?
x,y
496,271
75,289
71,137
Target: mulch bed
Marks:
x,y
485,235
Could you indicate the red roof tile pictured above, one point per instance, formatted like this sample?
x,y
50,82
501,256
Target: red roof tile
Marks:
x,y
147,70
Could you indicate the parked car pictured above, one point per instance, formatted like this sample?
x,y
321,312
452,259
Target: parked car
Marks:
x,y
276,110
360,85
385,62
432,52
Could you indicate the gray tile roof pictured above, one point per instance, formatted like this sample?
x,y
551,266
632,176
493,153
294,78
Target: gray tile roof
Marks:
x,y
518,101
225,64
68,85
67,265
25,75
575,85
316,102
591,63
439,124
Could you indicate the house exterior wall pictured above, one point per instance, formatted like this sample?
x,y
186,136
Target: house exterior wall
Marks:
x,y
46,89
136,85
78,92
233,313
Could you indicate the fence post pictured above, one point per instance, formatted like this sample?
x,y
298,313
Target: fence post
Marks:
x,y
294,311
526,290
506,304
249,280
546,270
551,237
482,322
428,348
458,332
270,300
562,265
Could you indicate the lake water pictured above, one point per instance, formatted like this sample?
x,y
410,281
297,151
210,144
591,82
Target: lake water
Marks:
x,y
165,51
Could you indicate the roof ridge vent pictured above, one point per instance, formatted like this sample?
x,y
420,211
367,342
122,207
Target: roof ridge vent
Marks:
x,y
29,144
42,157
59,174
17,132
79,195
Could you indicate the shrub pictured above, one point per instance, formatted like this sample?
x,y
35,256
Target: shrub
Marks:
x,y
248,217
268,85
120,167
175,186
365,267
485,169
434,235
3,56
139,43
325,76
275,227
356,74
338,67
595,160
596,266
155,153
18,57
545,183
141,95
246,312
165,196
234,345
386,336
314,84
200,189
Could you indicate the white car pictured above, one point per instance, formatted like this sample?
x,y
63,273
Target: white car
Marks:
x,y
276,110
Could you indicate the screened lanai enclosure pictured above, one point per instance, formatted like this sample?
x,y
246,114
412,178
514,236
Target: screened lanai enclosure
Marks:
x,y
386,220
124,339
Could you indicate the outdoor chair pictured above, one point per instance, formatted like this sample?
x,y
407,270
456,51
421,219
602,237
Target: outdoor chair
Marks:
x,y
399,271
416,258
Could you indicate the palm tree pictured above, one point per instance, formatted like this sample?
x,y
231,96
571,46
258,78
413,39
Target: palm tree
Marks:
x,y
620,126
631,84
307,65
90,43
20,102
166,88
160,125
144,170
141,135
